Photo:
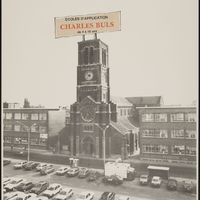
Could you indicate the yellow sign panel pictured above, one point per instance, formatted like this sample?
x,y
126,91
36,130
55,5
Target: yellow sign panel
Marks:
x,y
87,24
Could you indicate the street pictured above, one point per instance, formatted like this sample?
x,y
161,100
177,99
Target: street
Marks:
x,y
130,188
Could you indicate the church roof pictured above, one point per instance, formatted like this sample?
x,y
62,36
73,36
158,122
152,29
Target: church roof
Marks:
x,y
120,101
124,126
145,101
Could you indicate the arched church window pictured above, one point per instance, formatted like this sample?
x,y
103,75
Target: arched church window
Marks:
x,y
103,56
91,54
86,51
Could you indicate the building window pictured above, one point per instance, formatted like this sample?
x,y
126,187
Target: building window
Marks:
x,y
156,149
103,56
124,112
86,51
43,116
7,139
17,128
177,117
190,134
17,115
154,133
160,117
179,133
88,128
25,116
34,129
91,55
8,115
34,116
190,117
42,129
191,151
8,127
148,133
178,150
147,117
121,112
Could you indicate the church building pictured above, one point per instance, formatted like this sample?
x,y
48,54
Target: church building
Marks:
x,y
94,117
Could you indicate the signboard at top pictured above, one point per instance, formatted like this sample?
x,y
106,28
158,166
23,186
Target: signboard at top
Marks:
x,y
87,24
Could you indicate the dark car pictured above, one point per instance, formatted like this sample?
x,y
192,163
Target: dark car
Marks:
x,y
188,186
83,173
39,187
30,165
172,184
92,176
107,196
25,186
114,179
6,162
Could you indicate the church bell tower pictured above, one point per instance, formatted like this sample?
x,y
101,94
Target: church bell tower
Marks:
x,y
93,108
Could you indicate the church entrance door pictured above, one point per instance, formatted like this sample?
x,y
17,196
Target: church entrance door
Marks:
x,y
88,146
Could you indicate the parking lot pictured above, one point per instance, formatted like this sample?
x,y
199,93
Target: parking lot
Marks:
x,y
130,188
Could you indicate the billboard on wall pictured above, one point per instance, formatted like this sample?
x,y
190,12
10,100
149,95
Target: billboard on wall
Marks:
x,y
87,24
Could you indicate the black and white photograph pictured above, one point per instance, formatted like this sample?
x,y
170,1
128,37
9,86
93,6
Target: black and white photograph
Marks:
x,y
99,100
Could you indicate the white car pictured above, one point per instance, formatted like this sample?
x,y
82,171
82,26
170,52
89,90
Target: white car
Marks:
x,y
24,196
41,166
64,194
156,181
39,198
85,196
122,197
52,190
14,183
62,170
20,165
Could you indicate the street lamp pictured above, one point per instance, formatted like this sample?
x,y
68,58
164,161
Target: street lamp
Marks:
x,y
104,143
28,128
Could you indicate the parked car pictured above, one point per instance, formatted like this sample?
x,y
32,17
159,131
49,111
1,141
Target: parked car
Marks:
x,y
62,170
156,181
24,196
92,176
40,187
122,197
73,172
85,196
172,184
144,179
11,195
114,179
64,194
6,162
188,186
24,186
41,166
14,183
84,172
107,196
52,190
39,198
7,180
30,165
47,170
20,165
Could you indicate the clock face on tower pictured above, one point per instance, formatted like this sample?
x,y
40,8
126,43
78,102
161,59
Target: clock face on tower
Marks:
x,y
88,113
89,75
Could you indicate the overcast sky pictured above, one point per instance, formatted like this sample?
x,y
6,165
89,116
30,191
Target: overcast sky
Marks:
x,y
155,53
